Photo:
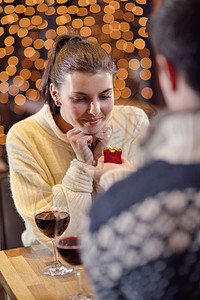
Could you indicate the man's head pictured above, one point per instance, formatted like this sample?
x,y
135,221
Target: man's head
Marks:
x,y
175,33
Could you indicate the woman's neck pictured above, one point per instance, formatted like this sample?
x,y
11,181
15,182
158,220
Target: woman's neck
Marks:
x,y
61,123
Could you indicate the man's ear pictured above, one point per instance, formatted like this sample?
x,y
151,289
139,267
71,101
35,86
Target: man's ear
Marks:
x,y
54,95
165,65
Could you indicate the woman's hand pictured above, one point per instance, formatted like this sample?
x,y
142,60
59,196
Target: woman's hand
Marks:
x,y
89,147
101,140
101,168
80,142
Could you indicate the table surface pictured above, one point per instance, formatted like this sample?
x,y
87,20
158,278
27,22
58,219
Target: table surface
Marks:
x,y
21,275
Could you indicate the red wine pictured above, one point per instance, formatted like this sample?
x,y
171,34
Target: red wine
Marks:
x,y
46,222
69,248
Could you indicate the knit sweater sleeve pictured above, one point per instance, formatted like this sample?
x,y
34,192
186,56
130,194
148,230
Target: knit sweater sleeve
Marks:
x,y
31,181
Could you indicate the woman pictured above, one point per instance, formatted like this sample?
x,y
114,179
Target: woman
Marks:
x,y
48,150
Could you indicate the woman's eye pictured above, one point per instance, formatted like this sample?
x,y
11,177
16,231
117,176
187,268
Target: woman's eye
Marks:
x,y
105,97
79,99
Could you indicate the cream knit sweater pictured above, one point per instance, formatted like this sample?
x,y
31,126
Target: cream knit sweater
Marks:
x,y
43,165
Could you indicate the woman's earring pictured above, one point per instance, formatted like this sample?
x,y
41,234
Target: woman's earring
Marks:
x,y
57,103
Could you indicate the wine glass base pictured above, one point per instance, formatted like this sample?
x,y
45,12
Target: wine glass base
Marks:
x,y
57,270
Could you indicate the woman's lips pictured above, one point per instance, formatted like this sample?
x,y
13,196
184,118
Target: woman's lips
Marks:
x,y
92,122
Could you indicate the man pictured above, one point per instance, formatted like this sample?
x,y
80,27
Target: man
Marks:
x,y
141,238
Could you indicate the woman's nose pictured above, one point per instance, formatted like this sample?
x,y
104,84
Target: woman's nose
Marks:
x,y
94,108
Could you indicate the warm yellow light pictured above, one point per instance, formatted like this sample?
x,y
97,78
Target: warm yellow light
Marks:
x,y
39,63
51,10
29,11
139,43
22,32
95,8
4,87
13,60
126,93
48,44
120,84
147,93
128,47
142,32
24,22
11,70
4,76
20,9
106,47
120,44
13,90
117,94
89,21
50,34
124,26
115,35
9,9
25,74
62,10
2,52
128,36
77,23
141,1
108,9
129,6
122,63
1,31
82,12
122,73
18,81
108,18
145,74
129,17
33,95
20,99
61,30
146,63
38,44
13,29
137,10
134,64
9,41
29,51
36,20
143,21
27,41
85,31
72,10
3,98
42,7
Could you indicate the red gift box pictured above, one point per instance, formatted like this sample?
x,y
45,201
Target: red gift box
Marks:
x,y
112,155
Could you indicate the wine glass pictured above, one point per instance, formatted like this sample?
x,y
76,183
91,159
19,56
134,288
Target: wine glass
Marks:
x,y
47,218
69,248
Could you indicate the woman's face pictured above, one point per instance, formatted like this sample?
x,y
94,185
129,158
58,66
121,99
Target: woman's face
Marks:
x,y
86,100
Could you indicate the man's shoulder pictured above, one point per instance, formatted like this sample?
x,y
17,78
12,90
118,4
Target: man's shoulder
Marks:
x,y
148,181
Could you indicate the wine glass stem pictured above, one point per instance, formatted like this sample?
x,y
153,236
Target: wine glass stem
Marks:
x,y
55,253
77,273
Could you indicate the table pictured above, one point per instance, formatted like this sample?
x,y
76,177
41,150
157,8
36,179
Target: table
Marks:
x,y
21,275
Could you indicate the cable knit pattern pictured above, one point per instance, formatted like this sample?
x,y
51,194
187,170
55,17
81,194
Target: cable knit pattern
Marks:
x,y
76,179
43,165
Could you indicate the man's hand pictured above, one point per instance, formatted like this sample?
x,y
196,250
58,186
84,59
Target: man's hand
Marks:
x,y
101,168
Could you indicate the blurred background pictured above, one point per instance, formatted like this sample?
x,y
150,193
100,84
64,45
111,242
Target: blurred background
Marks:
x,y
28,29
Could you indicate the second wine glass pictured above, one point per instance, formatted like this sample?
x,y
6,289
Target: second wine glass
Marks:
x,y
47,219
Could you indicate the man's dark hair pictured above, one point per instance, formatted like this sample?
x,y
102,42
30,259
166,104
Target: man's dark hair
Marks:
x,y
175,32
